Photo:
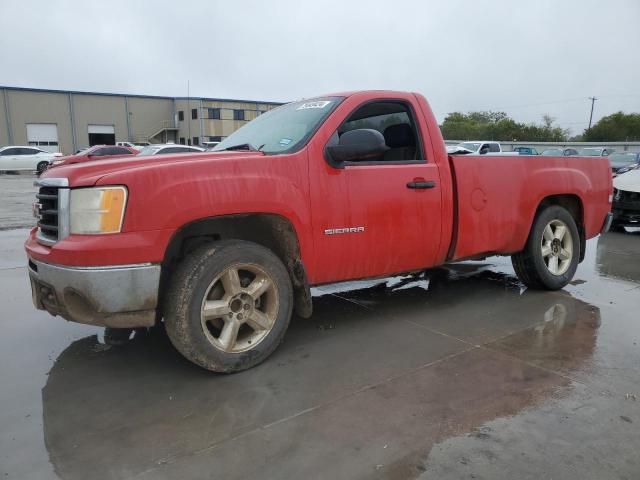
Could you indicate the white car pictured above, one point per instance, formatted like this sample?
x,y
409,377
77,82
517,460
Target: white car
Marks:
x,y
167,148
478,147
626,201
19,158
595,152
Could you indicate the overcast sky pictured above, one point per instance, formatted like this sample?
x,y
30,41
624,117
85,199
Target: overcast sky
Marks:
x,y
526,57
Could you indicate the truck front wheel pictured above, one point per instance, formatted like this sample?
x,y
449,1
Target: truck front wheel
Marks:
x,y
550,257
229,305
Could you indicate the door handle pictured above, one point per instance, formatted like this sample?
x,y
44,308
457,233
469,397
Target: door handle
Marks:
x,y
423,184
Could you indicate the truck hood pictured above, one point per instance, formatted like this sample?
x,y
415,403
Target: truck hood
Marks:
x,y
88,173
629,182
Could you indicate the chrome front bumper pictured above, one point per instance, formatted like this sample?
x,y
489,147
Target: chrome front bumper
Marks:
x,y
122,296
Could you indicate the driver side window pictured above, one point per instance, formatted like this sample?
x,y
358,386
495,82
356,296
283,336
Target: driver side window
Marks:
x,y
395,121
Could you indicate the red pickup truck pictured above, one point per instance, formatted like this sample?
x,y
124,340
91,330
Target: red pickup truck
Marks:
x,y
223,246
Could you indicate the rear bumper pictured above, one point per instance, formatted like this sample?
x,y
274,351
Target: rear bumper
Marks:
x,y
124,296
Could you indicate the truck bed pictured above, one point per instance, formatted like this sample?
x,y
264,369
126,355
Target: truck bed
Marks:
x,y
496,198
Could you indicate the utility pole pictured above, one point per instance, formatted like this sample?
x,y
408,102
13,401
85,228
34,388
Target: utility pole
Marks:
x,y
593,99
188,113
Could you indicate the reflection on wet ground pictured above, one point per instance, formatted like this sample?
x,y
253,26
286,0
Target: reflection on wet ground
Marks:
x,y
455,372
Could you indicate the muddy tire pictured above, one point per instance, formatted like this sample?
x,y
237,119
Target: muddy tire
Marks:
x,y
552,252
228,305
41,167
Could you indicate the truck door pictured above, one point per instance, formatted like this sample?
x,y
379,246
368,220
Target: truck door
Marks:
x,y
376,216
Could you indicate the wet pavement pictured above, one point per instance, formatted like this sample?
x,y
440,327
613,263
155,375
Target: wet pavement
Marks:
x,y
18,194
460,372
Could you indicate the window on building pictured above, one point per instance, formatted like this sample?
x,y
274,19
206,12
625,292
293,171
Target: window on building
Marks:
x,y
196,141
194,113
180,116
238,114
215,138
188,141
182,140
214,113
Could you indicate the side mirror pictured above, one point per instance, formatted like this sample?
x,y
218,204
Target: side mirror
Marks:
x,y
357,145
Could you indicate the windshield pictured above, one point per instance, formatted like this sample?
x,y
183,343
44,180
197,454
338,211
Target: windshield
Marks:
x,y
149,150
473,146
623,158
590,152
284,129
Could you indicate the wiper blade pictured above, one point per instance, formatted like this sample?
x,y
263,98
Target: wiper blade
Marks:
x,y
242,146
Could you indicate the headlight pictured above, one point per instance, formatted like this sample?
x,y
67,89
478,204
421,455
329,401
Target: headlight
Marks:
x,y
57,162
97,210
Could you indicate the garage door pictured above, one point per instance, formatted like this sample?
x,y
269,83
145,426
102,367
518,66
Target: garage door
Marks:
x,y
102,135
43,135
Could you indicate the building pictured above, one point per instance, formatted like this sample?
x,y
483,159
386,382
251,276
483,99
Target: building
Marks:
x,y
67,121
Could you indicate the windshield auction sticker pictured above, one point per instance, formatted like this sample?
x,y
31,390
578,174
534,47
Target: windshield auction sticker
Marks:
x,y
318,104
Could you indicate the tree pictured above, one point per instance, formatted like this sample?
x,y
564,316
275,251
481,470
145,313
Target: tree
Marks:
x,y
618,127
499,126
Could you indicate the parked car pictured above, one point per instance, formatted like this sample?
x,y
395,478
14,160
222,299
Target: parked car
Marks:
x,y
478,147
97,152
19,158
624,161
526,150
595,152
24,158
167,148
559,152
626,200
140,145
224,246
126,144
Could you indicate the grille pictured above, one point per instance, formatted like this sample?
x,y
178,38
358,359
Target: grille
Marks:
x,y
627,196
48,224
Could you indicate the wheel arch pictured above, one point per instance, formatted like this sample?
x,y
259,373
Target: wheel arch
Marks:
x,y
575,206
273,231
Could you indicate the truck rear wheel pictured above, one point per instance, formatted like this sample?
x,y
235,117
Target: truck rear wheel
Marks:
x,y
229,305
550,257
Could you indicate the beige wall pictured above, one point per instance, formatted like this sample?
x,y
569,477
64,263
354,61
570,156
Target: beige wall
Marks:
x,y
99,110
4,132
147,116
40,107
223,127
183,127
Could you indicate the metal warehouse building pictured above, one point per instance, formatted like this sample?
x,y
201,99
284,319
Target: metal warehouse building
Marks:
x,y
66,121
